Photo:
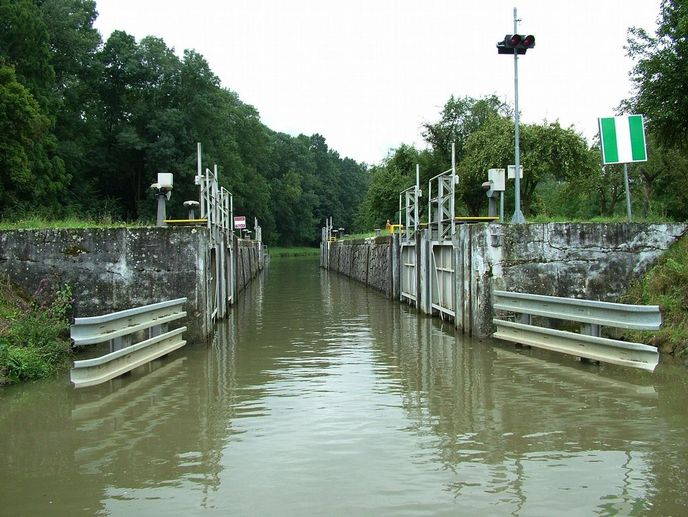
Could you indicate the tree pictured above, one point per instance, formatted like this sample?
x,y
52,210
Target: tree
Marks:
x,y
30,175
24,45
460,117
381,202
661,73
664,184
117,113
547,151
73,43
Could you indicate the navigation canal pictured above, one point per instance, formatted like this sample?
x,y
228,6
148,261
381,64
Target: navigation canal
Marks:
x,y
320,397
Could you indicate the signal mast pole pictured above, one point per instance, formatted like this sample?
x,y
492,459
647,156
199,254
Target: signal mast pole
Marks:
x,y
518,217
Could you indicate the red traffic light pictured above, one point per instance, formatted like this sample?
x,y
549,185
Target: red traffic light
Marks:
x,y
515,42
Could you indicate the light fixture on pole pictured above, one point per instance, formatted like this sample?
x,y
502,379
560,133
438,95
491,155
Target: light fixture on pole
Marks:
x,y
516,44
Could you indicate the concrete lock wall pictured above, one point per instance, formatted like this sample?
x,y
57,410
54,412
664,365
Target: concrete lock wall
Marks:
x,y
368,261
584,260
248,263
592,261
112,269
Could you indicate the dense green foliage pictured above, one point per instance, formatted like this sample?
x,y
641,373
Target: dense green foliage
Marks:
x,y
86,125
661,72
563,176
34,333
660,76
666,285
294,251
562,173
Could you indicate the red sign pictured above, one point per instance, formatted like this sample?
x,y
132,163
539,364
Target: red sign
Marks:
x,y
240,222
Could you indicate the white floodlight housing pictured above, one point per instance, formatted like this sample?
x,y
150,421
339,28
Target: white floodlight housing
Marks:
x,y
165,180
496,177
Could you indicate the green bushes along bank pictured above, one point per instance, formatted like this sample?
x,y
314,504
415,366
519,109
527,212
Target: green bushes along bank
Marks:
x,y
34,332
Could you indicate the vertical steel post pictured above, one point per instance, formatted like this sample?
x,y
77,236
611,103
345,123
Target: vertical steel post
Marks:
x,y
430,205
452,208
162,214
400,216
416,200
628,194
518,217
199,177
501,207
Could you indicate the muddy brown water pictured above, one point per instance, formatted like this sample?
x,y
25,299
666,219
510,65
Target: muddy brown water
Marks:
x,y
319,397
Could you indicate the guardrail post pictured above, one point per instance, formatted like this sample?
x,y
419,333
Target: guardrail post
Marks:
x,y
425,264
526,319
590,330
157,330
121,342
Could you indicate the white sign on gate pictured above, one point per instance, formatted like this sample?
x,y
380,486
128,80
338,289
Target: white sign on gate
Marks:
x,y
240,222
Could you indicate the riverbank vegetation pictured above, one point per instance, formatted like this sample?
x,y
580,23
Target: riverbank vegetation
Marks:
x,y
34,332
39,223
86,124
295,251
666,285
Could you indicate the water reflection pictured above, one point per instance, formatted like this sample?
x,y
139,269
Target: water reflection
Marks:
x,y
319,396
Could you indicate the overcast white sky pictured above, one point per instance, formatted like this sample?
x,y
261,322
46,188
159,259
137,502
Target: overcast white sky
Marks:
x,y
366,74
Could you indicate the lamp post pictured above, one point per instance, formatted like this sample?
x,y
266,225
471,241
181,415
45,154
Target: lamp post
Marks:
x,y
163,190
516,44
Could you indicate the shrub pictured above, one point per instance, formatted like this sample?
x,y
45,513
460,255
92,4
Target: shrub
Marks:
x,y
34,341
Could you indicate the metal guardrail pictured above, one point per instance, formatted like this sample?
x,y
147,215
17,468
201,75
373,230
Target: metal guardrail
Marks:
x,y
637,317
592,315
119,329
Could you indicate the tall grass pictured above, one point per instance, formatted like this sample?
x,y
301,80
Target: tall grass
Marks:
x,y
666,285
34,333
38,223
293,251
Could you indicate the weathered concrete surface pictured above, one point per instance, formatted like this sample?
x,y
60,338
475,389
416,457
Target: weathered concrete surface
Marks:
x,y
116,269
113,269
248,263
585,260
368,261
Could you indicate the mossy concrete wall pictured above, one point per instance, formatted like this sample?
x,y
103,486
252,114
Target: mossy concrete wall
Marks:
x,y
369,261
248,263
112,269
582,260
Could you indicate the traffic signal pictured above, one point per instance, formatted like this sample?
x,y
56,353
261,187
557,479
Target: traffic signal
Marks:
x,y
517,42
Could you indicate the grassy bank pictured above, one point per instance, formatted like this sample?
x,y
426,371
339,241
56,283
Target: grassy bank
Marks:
x,y
34,332
293,252
666,285
39,223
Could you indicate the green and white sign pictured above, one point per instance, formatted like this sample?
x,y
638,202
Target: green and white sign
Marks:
x,y
623,139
